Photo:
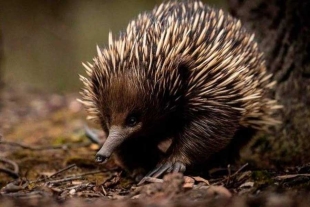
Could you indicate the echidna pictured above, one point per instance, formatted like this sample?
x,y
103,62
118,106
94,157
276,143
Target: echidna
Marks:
x,y
183,72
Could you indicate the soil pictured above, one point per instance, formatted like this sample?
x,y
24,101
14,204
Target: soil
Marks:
x,y
46,159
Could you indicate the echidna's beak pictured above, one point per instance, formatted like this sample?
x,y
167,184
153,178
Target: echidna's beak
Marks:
x,y
115,138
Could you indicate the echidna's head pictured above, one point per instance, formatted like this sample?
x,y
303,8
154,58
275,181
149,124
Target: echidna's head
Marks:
x,y
122,111
120,102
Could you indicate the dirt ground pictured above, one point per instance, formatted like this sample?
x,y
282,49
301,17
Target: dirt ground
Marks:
x,y
46,159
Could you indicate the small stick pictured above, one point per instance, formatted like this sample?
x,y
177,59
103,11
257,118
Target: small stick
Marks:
x,y
65,179
9,172
31,194
151,180
17,145
104,191
77,177
14,173
64,146
80,186
233,175
281,177
229,174
93,172
62,170
240,169
84,174
15,166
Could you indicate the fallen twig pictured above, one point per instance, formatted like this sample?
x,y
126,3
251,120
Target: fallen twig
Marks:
x,y
14,173
63,146
49,179
9,172
239,170
32,194
153,180
80,186
231,176
283,177
77,177
62,170
103,190
93,172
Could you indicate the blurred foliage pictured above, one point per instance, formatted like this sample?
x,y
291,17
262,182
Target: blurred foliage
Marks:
x,y
46,41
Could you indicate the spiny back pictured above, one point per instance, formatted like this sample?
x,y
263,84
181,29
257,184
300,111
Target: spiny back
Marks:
x,y
188,51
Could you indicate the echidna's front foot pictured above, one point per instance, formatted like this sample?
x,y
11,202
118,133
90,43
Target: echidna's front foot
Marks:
x,y
166,167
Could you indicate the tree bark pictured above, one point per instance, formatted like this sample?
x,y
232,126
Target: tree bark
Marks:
x,y
1,69
282,29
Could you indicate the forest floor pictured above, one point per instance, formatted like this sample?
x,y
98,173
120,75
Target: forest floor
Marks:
x,y
46,159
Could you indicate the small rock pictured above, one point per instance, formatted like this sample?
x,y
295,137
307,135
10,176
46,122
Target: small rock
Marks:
x,y
72,191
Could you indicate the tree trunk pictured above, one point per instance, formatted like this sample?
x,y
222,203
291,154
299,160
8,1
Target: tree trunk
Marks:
x,y
282,29
1,69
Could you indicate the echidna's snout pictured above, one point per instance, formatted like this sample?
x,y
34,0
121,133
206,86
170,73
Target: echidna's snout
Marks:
x,y
115,138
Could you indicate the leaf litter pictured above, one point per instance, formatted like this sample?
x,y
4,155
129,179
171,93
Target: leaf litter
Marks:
x,y
46,159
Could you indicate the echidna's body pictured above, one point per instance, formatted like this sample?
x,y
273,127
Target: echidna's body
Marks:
x,y
184,72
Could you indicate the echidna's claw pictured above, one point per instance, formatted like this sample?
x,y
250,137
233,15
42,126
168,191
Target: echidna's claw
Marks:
x,y
163,169
178,167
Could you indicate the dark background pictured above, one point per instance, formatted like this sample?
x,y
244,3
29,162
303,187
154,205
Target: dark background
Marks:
x,y
44,42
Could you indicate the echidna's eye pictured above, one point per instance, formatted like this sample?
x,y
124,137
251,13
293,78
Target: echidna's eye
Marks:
x,y
131,121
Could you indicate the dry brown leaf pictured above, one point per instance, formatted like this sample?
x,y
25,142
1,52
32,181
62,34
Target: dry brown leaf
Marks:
x,y
247,185
283,177
94,147
188,182
200,179
76,182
